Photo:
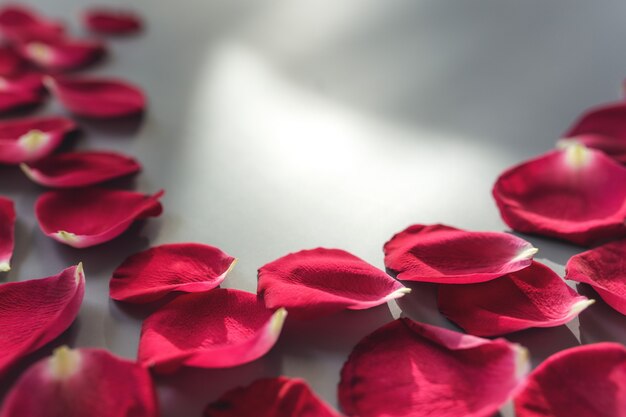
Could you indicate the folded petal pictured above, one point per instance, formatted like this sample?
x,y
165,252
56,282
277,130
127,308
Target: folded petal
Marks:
x,y
20,91
603,269
7,233
322,281
407,368
82,382
532,297
187,267
444,254
62,54
34,312
19,23
271,397
29,139
215,329
90,216
98,98
575,194
111,21
11,63
79,169
585,381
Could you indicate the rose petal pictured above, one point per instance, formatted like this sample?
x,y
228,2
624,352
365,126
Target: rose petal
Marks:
x,y
576,194
18,23
7,233
20,91
322,281
271,397
98,98
406,368
82,382
188,267
11,63
603,269
29,139
62,54
90,216
532,297
444,254
585,381
215,329
78,169
32,313
111,21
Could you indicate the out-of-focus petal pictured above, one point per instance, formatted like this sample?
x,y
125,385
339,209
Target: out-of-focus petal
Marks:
x,y
30,139
7,233
111,21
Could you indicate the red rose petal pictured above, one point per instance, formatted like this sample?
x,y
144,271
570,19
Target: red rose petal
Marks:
x,y
188,267
111,21
271,397
29,139
82,382
576,194
97,97
603,269
90,216
78,169
407,368
585,381
37,311
62,54
532,297
18,23
7,233
443,254
322,281
11,63
215,329
20,91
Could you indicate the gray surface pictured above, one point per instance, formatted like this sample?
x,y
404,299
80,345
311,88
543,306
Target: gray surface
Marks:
x,y
281,125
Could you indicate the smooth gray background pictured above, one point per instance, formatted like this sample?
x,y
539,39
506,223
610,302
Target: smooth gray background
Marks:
x,y
276,126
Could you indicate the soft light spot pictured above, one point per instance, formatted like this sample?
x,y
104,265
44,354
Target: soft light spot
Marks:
x,y
277,321
80,273
5,266
401,292
525,253
522,362
39,52
33,140
64,362
579,306
577,155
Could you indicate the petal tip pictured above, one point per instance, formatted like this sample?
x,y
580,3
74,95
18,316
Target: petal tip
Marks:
x,y
522,361
66,237
33,140
399,293
526,254
79,275
5,266
64,362
277,321
579,306
577,155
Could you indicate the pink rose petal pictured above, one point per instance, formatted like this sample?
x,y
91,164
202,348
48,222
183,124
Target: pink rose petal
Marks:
x,y
111,21
21,91
19,23
29,139
7,233
62,54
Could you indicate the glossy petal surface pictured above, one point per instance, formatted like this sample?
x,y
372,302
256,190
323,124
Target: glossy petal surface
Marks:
x,y
30,139
111,21
7,233
62,54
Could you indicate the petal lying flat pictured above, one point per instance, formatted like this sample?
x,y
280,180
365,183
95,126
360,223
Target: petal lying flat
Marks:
x,y
585,381
603,269
97,97
90,216
62,54
7,233
156,272
11,63
322,281
18,23
20,91
215,329
532,297
406,368
576,194
111,21
444,254
79,169
33,313
82,382
271,397
29,139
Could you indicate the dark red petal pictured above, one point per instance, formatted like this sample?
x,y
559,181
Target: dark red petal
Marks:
x,y
603,269
215,329
62,54
322,281
271,397
406,368
444,254
82,382
90,216
20,91
11,63
576,194
19,23
7,233
188,267
532,297
29,139
111,21
585,381
78,169
97,97
35,312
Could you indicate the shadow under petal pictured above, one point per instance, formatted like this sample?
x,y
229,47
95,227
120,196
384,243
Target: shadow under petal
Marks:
x,y
600,322
421,305
553,250
121,127
544,342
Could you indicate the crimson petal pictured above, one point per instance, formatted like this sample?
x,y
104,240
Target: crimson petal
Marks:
x,y
271,397
29,139
215,329
62,54
603,269
322,281
110,21
7,232
20,91
585,381
11,63
82,382
78,169
100,98
152,274
90,216
407,368
532,297
576,194
443,254
19,23
35,312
